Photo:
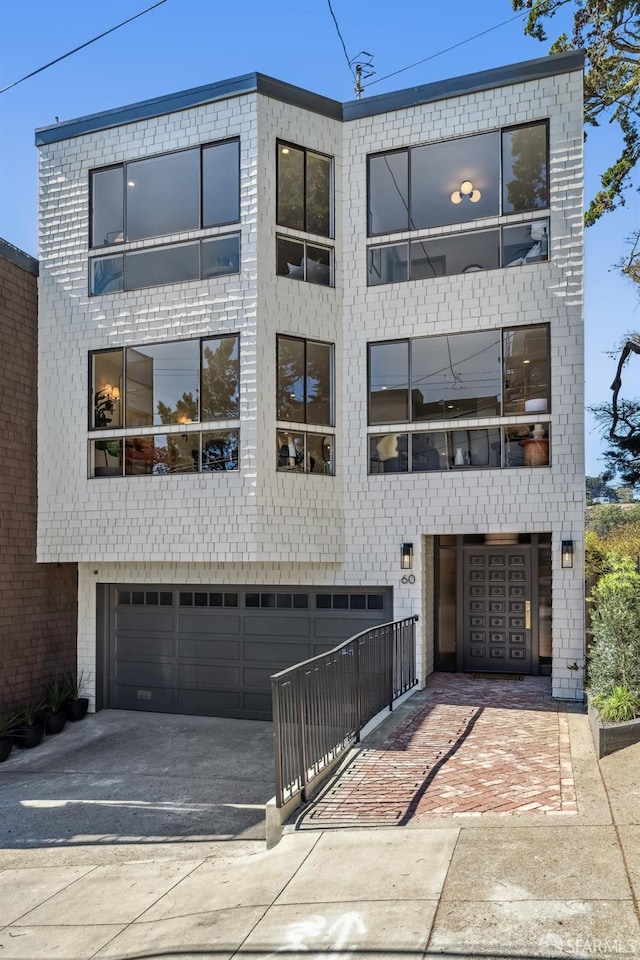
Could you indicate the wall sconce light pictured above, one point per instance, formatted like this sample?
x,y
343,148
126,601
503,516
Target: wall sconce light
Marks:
x,y
406,556
567,554
466,190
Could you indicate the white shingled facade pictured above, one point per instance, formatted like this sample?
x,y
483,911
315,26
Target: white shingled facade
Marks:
x,y
258,525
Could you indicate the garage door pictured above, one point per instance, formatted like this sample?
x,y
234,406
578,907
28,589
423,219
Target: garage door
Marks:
x,y
212,650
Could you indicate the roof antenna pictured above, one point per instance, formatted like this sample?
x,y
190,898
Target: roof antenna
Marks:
x,y
363,70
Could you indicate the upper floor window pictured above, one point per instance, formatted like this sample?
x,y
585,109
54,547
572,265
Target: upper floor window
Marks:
x,y
304,395
448,254
186,190
185,381
305,190
481,374
165,385
170,263
305,381
455,181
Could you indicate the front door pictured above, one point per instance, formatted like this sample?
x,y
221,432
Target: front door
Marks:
x,y
497,615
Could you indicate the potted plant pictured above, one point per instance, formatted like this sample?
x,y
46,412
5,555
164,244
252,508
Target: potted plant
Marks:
x,y
55,695
30,726
7,733
75,705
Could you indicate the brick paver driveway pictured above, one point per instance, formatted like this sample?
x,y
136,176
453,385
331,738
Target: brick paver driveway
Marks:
x,y
467,748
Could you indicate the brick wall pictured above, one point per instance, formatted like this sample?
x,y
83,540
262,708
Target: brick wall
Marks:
x,y
38,602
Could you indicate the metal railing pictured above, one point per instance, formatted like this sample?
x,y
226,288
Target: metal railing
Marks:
x,y
321,705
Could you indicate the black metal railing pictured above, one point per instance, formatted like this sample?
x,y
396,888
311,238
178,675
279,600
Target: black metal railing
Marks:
x,y
321,705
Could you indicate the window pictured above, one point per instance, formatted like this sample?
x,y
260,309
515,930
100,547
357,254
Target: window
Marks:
x,y
304,381
300,260
175,263
485,374
281,601
186,190
459,253
165,385
353,601
305,190
454,181
305,203
523,445
304,395
299,452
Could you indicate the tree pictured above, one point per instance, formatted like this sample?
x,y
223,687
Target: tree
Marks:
x,y
609,33
603,520
620,422
599,487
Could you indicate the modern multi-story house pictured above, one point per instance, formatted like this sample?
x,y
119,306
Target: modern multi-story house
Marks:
x,y
316,366
37,602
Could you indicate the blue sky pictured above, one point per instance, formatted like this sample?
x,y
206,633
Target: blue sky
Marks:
x,y
187,43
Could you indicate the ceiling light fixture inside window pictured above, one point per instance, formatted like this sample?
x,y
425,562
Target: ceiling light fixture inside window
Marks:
x,y
466,191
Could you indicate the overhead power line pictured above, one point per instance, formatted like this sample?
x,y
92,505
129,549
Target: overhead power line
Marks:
x,y
461,43
344,46
81,47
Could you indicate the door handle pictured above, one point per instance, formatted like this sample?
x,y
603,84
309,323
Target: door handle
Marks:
x,y
527,614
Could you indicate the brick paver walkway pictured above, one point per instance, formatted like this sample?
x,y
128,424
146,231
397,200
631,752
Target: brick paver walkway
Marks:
x,y
469,747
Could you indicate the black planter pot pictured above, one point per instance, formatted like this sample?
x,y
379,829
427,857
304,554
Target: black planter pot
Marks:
x,y
6,746
76,709
29,735
55,722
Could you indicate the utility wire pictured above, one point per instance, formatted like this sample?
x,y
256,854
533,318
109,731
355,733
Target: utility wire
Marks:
x,y
341,40
519,16
81,47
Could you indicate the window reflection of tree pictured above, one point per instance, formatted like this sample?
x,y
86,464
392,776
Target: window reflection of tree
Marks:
x,y
304,190
220,379
527,189
304,381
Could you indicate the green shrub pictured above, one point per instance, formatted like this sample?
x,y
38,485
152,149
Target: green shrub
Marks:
x,y
596,563
614,658
620,705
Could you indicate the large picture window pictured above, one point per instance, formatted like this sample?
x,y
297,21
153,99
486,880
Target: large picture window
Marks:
x,y
174,385
455,181
480,374
484,374
155,196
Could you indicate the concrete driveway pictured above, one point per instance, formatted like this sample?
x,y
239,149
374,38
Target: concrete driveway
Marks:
x,y
122,778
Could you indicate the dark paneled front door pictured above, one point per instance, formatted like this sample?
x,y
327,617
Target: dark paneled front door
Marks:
x,y
496,620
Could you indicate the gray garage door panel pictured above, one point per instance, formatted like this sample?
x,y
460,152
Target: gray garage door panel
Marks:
x,y
209,649
145,647
145,620
212,650
203,622
208,675
276,626
147,697
228,703
132,671
335,628
277,652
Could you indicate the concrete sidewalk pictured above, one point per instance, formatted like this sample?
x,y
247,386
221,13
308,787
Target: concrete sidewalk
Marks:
x,y
478,887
